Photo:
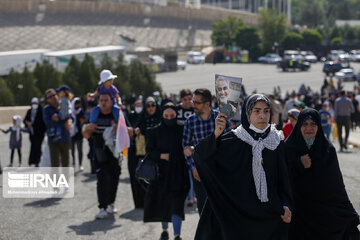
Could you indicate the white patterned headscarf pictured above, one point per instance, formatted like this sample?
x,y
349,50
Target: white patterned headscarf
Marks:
x,y
269,139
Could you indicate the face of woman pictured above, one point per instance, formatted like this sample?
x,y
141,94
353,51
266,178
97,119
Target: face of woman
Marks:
x,y
260,115
309,128
169,114
150,108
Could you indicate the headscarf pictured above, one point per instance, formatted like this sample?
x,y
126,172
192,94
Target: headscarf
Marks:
x,y
17,126
269,139
296,139
34,110
248,105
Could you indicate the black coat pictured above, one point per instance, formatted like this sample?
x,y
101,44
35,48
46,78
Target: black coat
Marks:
x,y
233,210
166,195
322,209
37,136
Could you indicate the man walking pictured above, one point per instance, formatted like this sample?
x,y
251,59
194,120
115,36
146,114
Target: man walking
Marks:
x,y
57,131
104,118
343,110
198,126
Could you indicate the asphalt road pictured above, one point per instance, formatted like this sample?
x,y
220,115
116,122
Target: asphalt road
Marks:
x,y
260,77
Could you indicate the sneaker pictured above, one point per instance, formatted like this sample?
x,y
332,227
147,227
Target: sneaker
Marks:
x,y
81,168
111,209
164,235
177,238
102,214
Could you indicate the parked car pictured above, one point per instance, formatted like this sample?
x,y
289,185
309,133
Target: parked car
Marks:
x,y
181,65
194,57
355,55
270,58
346,74
331,67
309,56
338,55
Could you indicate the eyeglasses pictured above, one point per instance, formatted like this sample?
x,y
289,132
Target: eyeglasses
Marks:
x,y
196,102
150,105
50,96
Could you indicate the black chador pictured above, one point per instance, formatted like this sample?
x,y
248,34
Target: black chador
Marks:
x,y
322,209
246,198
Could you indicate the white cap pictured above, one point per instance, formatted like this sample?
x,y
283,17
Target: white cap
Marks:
x,y
106,75
35,100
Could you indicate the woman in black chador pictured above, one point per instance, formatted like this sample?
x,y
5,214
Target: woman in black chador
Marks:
x,y
245,176
165,198
322,209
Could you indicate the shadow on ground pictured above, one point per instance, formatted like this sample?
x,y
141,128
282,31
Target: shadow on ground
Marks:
x,y
90,227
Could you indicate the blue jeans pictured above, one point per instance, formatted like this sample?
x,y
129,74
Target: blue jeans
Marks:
x,y
327,130
176,221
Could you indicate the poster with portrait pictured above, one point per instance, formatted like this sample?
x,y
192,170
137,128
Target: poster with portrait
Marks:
x,y
228,91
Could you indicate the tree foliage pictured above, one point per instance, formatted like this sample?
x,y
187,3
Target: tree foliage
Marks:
x,y
6,95
224,31
272,27
292,40
312,37
248,38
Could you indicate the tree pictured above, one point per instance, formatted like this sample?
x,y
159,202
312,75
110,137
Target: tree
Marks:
x,y
272,27
6,96
107,62
29,89
15,84
248,38
224,31
71,75
46,76
88,76
292,40
311,37
142,79
312,14
336,41
123,82
335,32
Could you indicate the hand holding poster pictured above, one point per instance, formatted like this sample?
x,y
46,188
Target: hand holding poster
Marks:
x,y
228,91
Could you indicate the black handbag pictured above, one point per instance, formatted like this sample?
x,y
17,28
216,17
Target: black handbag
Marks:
x,y
147,170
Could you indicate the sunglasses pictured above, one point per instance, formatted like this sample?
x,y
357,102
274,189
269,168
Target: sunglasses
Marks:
x,y
50,96
150,105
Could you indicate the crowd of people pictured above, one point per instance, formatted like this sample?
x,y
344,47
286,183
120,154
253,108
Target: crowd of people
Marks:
x,y
270,172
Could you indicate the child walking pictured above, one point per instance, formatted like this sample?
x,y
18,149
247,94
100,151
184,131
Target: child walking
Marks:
x,y
15,138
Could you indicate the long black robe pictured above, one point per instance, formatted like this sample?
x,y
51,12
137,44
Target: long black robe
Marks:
x,y
138,192
233,210
322,209
166,195
37,136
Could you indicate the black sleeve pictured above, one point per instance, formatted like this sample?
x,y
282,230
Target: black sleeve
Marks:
x,y
27,117
205,149
284,185
151,145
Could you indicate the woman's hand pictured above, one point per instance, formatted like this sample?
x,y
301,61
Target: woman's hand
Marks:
x,y
137,131
220,124
164,156
287,215
306,161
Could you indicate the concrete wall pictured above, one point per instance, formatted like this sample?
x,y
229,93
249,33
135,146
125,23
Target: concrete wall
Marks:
x,y
173,10
6,113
